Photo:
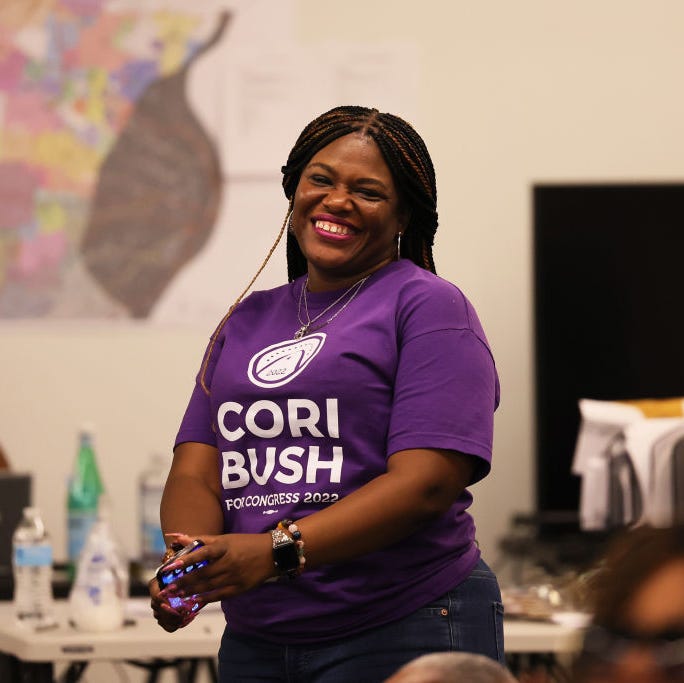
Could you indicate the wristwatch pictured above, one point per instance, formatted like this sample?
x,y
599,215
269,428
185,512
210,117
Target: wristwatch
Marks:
x,y
285,555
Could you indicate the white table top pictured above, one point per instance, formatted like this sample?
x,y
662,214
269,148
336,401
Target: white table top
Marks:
x,y
144,639
539,636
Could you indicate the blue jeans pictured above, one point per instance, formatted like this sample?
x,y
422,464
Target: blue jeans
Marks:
x,y
469,617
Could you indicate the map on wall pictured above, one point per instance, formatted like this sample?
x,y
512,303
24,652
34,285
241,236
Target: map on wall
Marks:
x,y
140,148
108,182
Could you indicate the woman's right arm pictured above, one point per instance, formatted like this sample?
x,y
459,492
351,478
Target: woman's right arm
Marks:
x,y
191,505
192,496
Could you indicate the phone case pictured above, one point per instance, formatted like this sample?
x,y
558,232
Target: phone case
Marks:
x,y
166,577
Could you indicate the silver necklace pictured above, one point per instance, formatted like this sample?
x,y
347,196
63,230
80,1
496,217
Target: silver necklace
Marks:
x,y
306,325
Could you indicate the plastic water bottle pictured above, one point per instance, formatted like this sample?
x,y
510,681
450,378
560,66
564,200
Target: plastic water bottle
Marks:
x,y
85,487
32,568
98,596
151,488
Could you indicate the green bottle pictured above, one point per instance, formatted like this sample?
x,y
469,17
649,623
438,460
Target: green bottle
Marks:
x,y
85,487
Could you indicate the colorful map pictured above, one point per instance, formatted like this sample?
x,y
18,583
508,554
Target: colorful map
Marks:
x,y
91,95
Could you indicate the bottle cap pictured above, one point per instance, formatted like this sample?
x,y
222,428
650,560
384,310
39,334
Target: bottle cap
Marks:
x,y
160,459
87,429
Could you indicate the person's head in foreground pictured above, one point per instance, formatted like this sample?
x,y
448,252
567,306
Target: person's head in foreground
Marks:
x,y
637,632
452,667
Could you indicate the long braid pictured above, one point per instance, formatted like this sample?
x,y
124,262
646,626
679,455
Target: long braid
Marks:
x,y
406,156
214,337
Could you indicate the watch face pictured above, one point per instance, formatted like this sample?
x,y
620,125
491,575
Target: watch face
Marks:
x,y
286,557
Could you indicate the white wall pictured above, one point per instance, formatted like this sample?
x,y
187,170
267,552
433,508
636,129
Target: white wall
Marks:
x,y
513,93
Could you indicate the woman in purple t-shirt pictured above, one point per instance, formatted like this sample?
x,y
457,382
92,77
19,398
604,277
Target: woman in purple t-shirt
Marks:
x,y
335,424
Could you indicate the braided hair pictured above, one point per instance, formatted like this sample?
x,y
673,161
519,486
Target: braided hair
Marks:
x,y
409,163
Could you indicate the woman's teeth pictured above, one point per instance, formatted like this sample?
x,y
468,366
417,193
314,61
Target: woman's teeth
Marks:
x,y
332,228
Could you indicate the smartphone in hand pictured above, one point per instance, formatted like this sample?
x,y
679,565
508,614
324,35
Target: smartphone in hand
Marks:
x,y
165,576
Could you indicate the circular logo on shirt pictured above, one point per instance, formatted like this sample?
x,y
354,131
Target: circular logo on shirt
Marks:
x,y
280,363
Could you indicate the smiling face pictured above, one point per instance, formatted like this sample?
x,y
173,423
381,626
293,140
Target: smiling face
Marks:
x,y
347,212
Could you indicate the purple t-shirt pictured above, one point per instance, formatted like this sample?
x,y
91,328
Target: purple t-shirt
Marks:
x,y
299,424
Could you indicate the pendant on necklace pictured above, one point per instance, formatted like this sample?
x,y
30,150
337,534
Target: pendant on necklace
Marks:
x,y
301,331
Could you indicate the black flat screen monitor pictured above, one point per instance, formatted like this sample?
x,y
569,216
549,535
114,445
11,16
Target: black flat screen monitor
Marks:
x,y
608,311
15,495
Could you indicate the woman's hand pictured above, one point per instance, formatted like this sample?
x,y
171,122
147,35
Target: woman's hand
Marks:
x,y
167,617
236,563
179,614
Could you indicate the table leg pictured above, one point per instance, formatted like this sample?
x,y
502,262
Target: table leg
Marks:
x,y
17,671
194,666
74,672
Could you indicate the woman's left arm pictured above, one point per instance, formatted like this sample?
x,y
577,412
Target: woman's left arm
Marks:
x,y
419,485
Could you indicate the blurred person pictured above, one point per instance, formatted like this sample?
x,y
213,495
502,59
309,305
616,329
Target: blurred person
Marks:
x,y
452,667
637,596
